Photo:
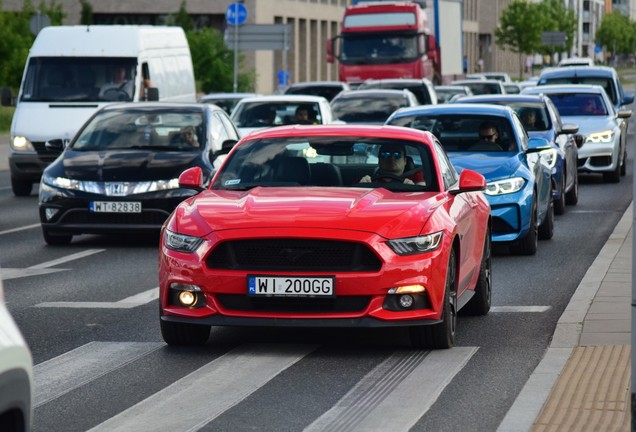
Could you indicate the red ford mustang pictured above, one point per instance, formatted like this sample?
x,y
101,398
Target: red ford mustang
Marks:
x,y
329,226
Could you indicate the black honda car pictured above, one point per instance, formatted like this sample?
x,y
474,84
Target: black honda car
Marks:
x,y
120,172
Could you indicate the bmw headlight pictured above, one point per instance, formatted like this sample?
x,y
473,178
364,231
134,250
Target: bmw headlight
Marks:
x,y
600,137
20,143
550,157
506,186
181,242
416,245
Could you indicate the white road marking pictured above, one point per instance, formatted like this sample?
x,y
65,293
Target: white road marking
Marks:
x,y
60,375
522,309
127,303
396,394
44,268
22,228
209,391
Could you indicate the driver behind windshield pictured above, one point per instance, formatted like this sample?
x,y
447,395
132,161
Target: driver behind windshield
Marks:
x,y
392,165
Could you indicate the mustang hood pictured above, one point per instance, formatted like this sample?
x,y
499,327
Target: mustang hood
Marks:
x,y
119,165
492,166
380,211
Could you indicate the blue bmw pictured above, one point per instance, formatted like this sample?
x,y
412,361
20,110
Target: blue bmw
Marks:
x,y
542,120
516,167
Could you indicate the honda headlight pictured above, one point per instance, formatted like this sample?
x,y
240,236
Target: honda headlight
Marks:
x,y
416,245
20,143
181,242
503,187
61,182
601,137
154,186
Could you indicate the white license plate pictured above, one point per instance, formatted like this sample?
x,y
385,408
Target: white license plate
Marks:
x,y
115,206
303,286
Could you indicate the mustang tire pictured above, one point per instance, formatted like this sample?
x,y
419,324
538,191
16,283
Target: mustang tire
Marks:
x,y
442,335
184,334
479,304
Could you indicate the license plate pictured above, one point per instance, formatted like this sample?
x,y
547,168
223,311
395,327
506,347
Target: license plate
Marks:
x,y
115,206
303,286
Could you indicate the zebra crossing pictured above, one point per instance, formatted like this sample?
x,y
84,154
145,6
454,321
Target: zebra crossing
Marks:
x,y
406,384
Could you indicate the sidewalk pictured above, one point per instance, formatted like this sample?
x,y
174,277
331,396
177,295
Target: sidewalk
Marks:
x,y
583,381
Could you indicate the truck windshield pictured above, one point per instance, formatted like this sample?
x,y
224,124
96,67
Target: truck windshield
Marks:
x,y
374,48
79,79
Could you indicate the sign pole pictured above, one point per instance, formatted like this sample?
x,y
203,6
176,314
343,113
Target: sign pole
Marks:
x,y
235,86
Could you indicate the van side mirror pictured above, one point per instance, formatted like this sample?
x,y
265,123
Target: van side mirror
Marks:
x,y
6,97
152,94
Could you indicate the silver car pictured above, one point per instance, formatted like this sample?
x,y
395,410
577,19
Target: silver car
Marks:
x,y
603,128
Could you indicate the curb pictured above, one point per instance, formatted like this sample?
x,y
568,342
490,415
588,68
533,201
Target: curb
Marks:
x,y
534,394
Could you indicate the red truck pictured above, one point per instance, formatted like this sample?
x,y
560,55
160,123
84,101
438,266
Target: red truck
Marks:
x,y
385,40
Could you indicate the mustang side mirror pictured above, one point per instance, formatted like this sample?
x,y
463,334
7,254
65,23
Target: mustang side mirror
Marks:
x,y
192,178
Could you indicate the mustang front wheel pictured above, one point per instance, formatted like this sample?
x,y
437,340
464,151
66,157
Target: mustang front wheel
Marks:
x,y
442,335
184,334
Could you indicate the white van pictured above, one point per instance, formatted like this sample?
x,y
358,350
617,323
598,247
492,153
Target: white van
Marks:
x,y
69,75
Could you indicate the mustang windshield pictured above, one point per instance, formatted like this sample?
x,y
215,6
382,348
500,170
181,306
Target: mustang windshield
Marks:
x,y
324,161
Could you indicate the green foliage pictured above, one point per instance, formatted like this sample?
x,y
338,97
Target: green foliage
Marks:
x,y
6,115
182,19
520,27
557,18
16,38
617,33
86,14
214,63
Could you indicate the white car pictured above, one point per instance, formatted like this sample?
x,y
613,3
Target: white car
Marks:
x,y
261,112
576,61
604,129
16,375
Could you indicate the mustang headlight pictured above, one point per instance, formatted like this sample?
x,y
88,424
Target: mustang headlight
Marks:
x,y
601,137
506,186
416,245
20,143
550,157
181,242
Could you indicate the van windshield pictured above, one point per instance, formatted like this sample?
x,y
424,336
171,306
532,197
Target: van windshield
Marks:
x,y
79,79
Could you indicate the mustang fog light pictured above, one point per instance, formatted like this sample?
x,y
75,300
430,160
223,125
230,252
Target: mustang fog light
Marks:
x,y
185,295
406,301
187,298
50,213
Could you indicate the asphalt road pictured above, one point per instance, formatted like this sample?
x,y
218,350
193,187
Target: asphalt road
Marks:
x,y
89,313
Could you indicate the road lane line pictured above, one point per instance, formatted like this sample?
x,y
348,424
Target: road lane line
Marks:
x,y
67,258
22,228
209,391
396,394
522,309
62,374
127,303
45,267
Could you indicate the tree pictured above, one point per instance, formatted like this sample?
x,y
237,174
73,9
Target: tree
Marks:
x,y
617,33
520,29
213,63
557,18
86,14
16,38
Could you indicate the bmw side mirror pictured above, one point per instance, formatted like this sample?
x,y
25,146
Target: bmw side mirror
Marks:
x,y
537,144
569,128
628,98
624,113
152,94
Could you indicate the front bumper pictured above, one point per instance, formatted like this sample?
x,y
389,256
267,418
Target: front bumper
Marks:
x,y
599,157
511,215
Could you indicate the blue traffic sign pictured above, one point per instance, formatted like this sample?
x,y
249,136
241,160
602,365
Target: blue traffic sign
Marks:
x,y
236,14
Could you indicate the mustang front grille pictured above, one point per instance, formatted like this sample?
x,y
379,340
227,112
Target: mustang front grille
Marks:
x,y
293,255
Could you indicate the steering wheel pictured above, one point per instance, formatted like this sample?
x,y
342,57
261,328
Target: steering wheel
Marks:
x,y
116,94
391,177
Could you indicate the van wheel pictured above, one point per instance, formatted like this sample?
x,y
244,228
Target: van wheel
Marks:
x,y
21,187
